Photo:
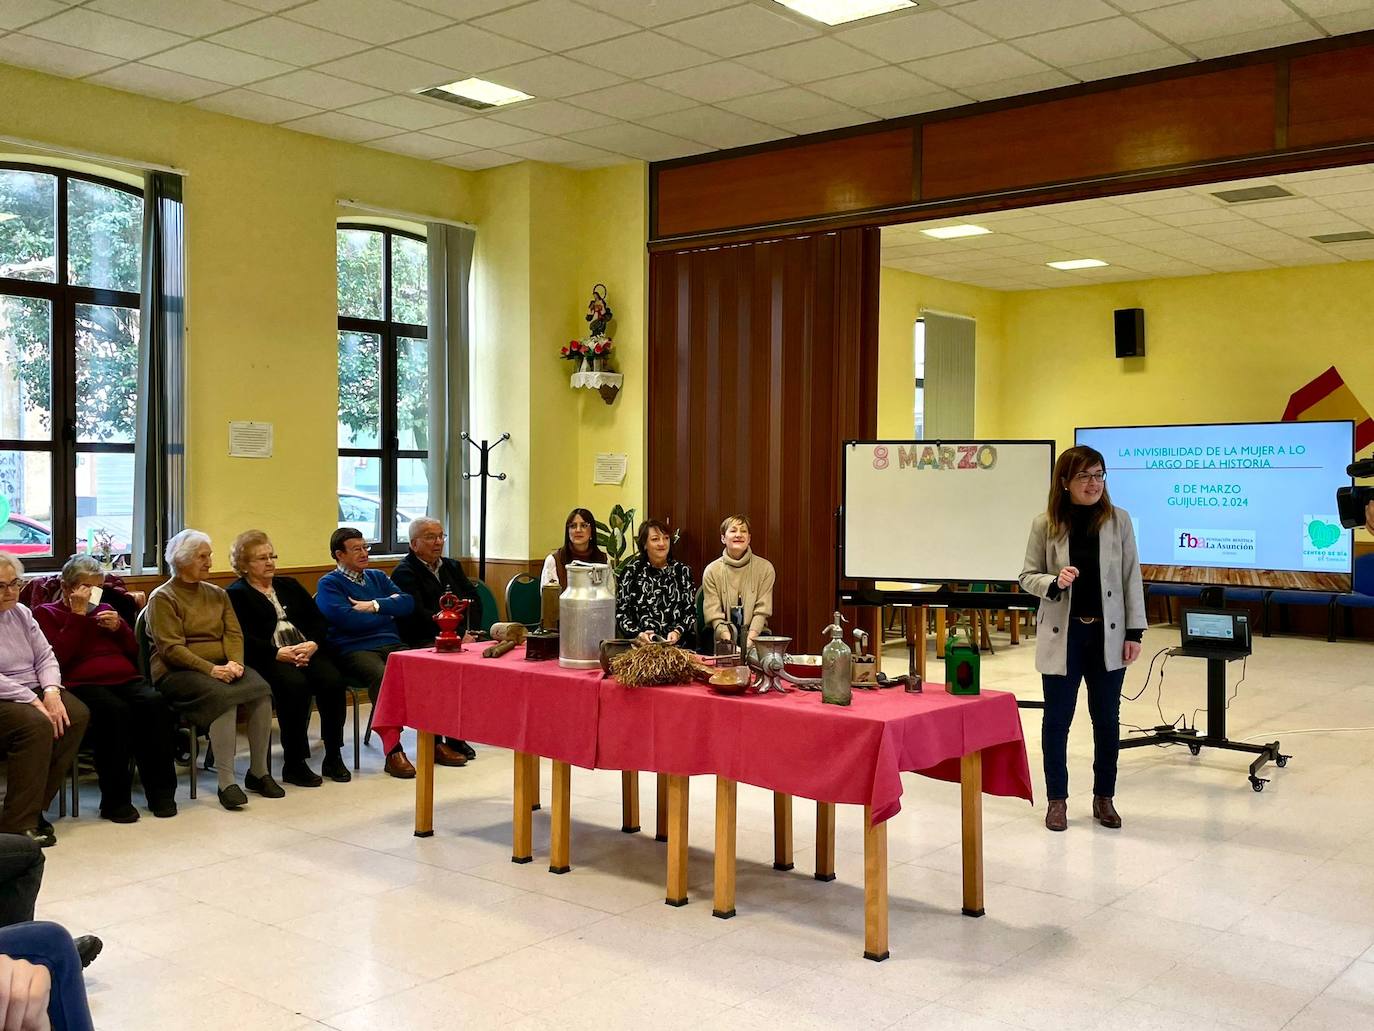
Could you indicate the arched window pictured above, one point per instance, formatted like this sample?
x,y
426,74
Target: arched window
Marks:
x,y
70,253
383,381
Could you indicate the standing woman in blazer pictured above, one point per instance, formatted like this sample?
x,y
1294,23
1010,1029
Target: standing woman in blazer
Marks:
x,y
1081,561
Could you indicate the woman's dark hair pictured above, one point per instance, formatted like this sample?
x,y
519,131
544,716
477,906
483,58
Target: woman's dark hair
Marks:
x,y
566,552
642,538
1066,467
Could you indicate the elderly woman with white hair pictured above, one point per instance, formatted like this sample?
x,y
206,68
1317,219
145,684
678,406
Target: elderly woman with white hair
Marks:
x,y
197,664
41,723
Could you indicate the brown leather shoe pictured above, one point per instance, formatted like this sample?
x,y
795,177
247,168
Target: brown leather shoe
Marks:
x,y
399,766
1057,815
446,756
1105,813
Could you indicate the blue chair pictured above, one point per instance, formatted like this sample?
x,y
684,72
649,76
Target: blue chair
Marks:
x,y
1170,591
1309,598
1362,595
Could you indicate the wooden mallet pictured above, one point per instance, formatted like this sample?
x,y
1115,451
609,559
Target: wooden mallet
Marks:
x,y
506,636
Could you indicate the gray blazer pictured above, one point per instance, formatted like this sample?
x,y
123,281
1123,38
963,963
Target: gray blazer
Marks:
x,y
1123,597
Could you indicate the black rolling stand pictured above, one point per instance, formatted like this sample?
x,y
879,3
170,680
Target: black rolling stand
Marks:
x,y
1216,723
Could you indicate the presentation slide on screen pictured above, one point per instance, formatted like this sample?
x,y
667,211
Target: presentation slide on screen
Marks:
x,y
1256,498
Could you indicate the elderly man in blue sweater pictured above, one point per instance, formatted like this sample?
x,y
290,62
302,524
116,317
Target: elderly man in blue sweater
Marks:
x,y
361,606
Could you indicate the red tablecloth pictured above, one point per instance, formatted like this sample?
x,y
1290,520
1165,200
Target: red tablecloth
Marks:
x,y
536,707
789,743
795,744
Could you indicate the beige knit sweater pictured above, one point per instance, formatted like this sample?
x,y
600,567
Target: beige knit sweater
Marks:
x,y
727,580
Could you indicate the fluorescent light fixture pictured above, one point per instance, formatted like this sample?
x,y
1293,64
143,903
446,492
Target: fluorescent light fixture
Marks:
x,y
5,216
955,232
1077,263
484,92
837,12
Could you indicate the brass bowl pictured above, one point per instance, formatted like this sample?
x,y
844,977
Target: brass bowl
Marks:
x,y
730,680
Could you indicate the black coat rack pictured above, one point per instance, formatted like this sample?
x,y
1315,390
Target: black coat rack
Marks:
x,y
484,474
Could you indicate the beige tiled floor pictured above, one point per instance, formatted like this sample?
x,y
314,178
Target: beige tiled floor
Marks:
x,y
1215,907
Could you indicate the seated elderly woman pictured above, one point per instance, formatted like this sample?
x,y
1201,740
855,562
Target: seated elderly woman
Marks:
x,y
98,656
654,595
197,664
41,723
282,634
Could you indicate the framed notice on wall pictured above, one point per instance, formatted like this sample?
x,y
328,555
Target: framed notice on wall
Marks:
x,y
250,440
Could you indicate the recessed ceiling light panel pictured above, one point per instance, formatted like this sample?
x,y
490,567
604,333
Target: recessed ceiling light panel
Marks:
x,y
1076,263
955,232
1251,193
1351,237
478,94
837,12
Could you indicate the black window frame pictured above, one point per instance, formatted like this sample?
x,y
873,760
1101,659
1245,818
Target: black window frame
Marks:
x,y
64,298
390,454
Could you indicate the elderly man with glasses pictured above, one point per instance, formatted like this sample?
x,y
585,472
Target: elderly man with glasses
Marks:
x,y
425,574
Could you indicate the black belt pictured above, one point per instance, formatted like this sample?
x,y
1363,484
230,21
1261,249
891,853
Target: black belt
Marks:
x,y
1088,619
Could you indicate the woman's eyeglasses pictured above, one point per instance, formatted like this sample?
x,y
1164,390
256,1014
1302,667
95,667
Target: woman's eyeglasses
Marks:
x,y
12,585
1090,478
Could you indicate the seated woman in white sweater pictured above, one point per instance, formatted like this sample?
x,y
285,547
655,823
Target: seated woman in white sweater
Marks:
x,y
579,545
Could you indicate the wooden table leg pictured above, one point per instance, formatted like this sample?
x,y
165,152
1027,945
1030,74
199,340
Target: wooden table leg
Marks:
x,y
560,835
875,888
1015,618
522,829
677,841
629,801
825,841
940,633
971,792
782,831
534,785
724,903
424,784
661,810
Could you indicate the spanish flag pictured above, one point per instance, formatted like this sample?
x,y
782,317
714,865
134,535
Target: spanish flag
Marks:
x,y
1327,397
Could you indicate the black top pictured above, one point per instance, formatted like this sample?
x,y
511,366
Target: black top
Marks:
x,y
414,577
258,618
656,600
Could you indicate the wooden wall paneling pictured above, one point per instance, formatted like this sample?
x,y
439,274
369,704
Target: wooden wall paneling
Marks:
x,y
1331,97
1153,125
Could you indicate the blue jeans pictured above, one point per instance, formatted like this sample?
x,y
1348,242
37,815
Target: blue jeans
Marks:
x,y
49,944
1085,661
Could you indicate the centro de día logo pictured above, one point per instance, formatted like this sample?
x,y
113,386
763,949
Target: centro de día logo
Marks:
x,y
937,456
1233,546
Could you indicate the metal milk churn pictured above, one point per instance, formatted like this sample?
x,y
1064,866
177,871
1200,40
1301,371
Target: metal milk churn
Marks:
x,y
586,615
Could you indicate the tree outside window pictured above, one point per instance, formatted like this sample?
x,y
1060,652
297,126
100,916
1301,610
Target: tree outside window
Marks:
x,y
383,429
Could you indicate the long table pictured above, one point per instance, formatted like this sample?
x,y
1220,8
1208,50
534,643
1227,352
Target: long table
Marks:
x,y
789,743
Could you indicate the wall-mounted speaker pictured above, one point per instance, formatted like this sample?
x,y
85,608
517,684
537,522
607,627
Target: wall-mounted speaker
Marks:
x,y
1130,332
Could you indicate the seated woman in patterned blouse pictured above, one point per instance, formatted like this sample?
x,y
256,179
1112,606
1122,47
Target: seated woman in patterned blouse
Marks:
x,y
655,594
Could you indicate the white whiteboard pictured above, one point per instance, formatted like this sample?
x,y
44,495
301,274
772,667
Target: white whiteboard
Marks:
x,y
953,510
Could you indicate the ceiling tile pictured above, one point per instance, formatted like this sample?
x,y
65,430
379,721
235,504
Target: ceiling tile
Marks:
x,y
825,123
91,30
1256,39
554,150
192,17
317,89
479,159
1207,19
288,41
388,70
419,145
465,46
377,21
811,59
1116,37
1007,19
1328,188
483,132
641,55
715,128
739,30
990,63
656,12
1128,65
915,35
1019,86
461,10
876,86
15,14
1351,21
157,82
44,56
216,62
340,127
408,112
1152,206
242,103
271,6
555,24
722,80
918,105
550,116
638,141
605,161
631,100
552,77
786,105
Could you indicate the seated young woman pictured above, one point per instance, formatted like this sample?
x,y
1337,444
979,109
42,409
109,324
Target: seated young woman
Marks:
x,y
579,545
